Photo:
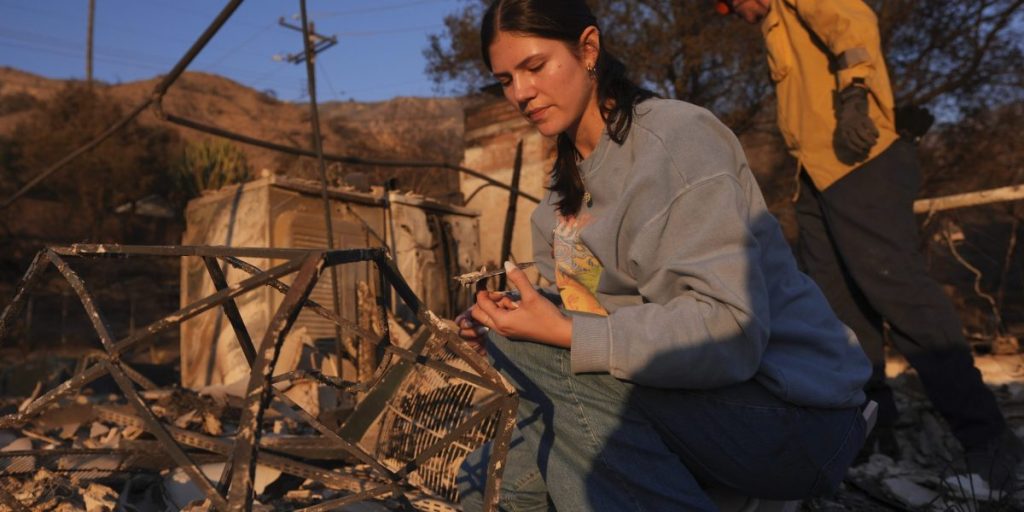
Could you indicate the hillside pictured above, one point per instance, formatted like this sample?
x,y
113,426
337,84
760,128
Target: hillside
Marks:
x,y
402,128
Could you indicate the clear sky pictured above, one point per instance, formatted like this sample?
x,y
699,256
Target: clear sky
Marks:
x,y
379,54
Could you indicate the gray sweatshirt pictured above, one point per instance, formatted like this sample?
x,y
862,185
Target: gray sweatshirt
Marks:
x,y
693,285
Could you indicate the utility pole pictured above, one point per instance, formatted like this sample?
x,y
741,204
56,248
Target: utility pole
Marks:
x,y
313,44
88,43
317,42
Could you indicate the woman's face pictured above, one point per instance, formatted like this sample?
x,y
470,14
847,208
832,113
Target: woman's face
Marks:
x,y
544,79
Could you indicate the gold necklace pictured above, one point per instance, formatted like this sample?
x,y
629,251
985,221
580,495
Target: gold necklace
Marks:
x,y
587,199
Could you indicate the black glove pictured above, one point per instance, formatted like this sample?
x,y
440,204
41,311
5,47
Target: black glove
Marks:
x,y
854,128
913,121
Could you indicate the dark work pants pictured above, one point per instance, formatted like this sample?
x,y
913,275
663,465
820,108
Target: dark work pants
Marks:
x,y
859,241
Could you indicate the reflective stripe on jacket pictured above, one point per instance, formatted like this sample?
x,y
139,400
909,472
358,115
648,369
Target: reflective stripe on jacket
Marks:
x,y
815,49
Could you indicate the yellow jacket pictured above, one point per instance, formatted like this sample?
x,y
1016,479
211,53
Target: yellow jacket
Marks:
x,y
815,49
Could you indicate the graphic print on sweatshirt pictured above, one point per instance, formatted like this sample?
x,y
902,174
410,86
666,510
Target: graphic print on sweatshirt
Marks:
x,y
577,270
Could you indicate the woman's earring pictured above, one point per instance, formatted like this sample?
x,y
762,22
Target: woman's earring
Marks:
x,y
592,71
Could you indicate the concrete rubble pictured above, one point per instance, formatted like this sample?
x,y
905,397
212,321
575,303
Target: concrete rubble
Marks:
x,y
96,431
106,462
113,439
103,459
927,476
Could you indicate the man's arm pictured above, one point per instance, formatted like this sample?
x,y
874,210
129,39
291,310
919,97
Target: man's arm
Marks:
x,y
850,30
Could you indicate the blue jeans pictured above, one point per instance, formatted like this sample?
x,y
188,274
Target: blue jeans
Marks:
x,y
593,442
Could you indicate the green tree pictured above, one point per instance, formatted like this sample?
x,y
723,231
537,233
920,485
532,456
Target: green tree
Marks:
x,y
950,54
209,165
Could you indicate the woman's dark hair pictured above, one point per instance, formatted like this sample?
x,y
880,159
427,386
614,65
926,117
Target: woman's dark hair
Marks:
x,y
565,20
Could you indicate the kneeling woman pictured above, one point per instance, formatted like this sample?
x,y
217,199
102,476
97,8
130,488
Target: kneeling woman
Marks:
x,y
687,351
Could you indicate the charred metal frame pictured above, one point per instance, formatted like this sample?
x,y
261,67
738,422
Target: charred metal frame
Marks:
x,y
234,491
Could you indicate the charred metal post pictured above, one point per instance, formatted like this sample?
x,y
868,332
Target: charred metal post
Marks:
x,y
13,309
231,310
318,146
88,42
483,404
311,304
155,427
258,394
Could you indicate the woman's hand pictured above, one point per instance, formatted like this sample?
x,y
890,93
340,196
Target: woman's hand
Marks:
x,y
532,318
475,333
471,331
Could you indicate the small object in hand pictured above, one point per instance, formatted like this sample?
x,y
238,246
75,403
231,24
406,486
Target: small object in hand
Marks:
x,y
471,278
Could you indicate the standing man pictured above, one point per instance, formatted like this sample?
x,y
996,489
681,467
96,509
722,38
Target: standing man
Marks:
x,y
858,235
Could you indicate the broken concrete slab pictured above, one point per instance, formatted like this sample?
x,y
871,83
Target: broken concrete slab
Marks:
x,y
180,490
908,492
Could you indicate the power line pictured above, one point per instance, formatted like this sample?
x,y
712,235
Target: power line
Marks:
x,y
34,37
327,78
241,45
380,8
77,56
158,92
104,23
374,33
54,45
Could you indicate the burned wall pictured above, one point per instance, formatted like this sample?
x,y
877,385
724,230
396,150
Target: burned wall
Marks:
x,y
493,129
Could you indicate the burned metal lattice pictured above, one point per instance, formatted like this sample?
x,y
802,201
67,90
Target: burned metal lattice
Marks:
x,y
428,404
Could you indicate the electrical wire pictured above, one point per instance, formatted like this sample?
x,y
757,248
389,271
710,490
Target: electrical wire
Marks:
x,y
327,78
382,32
58,46
379,8
101,23
345,159
158,91
217,62
78,56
